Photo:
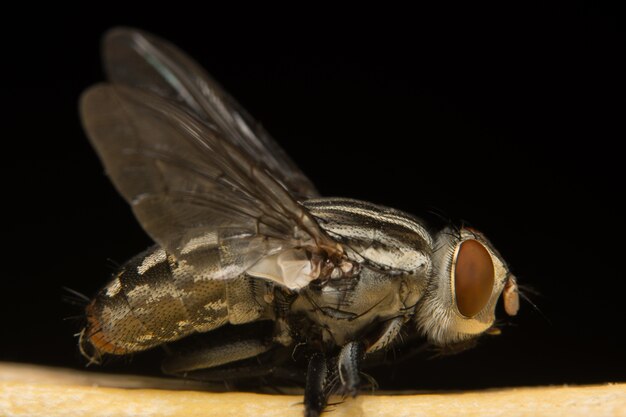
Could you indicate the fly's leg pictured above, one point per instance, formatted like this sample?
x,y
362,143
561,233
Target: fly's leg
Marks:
x,y
183,362
348,366
250,371
353,353
388,335
315,392
322,379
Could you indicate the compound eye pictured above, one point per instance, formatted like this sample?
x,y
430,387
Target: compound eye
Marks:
x,y
473,277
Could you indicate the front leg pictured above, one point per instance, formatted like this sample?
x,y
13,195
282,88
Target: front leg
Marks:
x,y
348,366
351,355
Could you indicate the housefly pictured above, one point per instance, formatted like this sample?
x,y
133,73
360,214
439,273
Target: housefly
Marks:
x,y
250,263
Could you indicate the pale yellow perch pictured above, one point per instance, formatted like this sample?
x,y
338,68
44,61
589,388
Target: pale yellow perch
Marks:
x,y
38,391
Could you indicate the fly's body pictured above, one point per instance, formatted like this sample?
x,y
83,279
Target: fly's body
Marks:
x,y
249,260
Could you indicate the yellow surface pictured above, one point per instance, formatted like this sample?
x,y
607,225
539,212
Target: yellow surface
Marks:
x,y
38,391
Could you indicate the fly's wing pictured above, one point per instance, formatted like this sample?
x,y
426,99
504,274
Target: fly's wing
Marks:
x,y
191,188
144,61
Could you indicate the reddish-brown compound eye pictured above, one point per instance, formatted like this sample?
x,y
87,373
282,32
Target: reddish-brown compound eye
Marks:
x,y
473,277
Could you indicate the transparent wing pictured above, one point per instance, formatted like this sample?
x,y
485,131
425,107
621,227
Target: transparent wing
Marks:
x,y
187,185
141,60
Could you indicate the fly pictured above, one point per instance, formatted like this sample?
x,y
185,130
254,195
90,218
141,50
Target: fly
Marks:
x,y
250,262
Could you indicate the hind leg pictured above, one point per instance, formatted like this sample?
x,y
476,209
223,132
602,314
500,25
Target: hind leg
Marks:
x,y
206,357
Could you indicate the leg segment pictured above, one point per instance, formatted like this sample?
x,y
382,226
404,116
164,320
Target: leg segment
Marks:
x,y
348,367
389,334
315,394
181,363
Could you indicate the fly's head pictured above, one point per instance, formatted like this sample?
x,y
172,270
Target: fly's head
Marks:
x,y
469,276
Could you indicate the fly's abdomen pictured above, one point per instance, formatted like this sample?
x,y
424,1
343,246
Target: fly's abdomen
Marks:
x,y
155,299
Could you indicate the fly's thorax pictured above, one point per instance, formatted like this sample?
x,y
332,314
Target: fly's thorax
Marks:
x,y
155,298
383,237
343,310
391,251
468,277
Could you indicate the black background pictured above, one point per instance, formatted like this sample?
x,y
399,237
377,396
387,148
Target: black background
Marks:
x,y
508,118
